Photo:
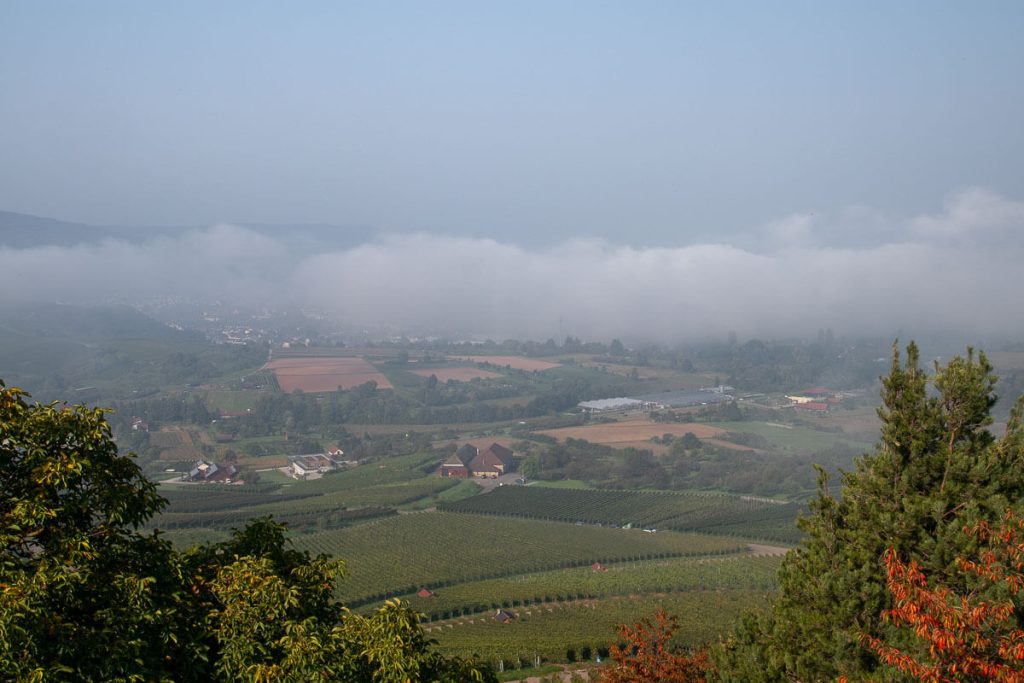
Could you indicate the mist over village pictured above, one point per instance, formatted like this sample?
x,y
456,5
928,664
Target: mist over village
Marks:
x,y
511,342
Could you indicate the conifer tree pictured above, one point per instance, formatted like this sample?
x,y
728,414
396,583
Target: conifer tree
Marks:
x,y
936,470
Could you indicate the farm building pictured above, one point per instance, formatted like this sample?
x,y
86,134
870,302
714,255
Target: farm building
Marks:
x,y
425,593
603,404
457,464
813,395
469,461
491,462
502,616
812,406
205,471
315,465
685,399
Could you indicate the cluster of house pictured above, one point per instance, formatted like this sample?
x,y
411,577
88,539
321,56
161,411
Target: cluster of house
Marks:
x,y
470,461
316,465
207,471
814,400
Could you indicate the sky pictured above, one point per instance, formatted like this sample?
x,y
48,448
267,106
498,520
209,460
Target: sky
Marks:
x,y
533,168
654,124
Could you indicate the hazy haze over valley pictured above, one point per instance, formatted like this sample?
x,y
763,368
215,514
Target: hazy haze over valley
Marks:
x,y
957,268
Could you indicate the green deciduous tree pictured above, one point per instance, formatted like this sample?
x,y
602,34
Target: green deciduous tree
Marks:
x,y
85,595
936,470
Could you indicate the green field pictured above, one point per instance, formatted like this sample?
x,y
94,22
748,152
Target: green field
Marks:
x,y
708,512
399,555
793,439
548,631
747,572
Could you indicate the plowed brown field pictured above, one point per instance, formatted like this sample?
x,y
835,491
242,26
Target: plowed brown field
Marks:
x,y
315,375
637,433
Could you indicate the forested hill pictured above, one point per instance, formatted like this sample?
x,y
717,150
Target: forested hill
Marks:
x,y
86,324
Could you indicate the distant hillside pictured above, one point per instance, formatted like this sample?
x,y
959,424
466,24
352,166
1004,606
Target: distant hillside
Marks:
x,y
86,324
51,348
21,231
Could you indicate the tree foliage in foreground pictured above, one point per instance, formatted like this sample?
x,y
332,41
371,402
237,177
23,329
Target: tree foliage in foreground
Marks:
x,y
936,472
968,637
645,656
85,596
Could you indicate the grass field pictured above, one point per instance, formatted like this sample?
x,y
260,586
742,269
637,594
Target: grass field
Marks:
x,y
232,401
792,439
402,554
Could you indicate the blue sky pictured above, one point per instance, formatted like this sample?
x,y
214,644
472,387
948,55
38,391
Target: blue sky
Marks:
x,y
657,124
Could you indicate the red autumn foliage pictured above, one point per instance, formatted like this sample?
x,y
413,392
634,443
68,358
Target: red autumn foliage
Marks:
x,y
968,638
646,656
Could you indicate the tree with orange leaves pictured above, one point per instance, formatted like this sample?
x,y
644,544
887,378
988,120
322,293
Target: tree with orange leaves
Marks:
x,y
647,656
969,637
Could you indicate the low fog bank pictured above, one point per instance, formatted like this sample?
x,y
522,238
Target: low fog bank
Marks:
x,y
957,270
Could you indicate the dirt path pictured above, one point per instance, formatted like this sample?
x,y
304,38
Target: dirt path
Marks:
x,y
565,675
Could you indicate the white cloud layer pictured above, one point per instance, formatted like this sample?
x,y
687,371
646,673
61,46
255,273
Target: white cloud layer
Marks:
x,y
957,270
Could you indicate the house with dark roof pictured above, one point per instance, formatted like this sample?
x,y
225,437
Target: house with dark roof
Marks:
x,y
457,464
470,461
502,616
206,471
491,462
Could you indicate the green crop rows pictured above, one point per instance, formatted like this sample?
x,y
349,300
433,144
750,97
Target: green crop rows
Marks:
x,y
656,576
709,512
401,554
548,631
323,503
